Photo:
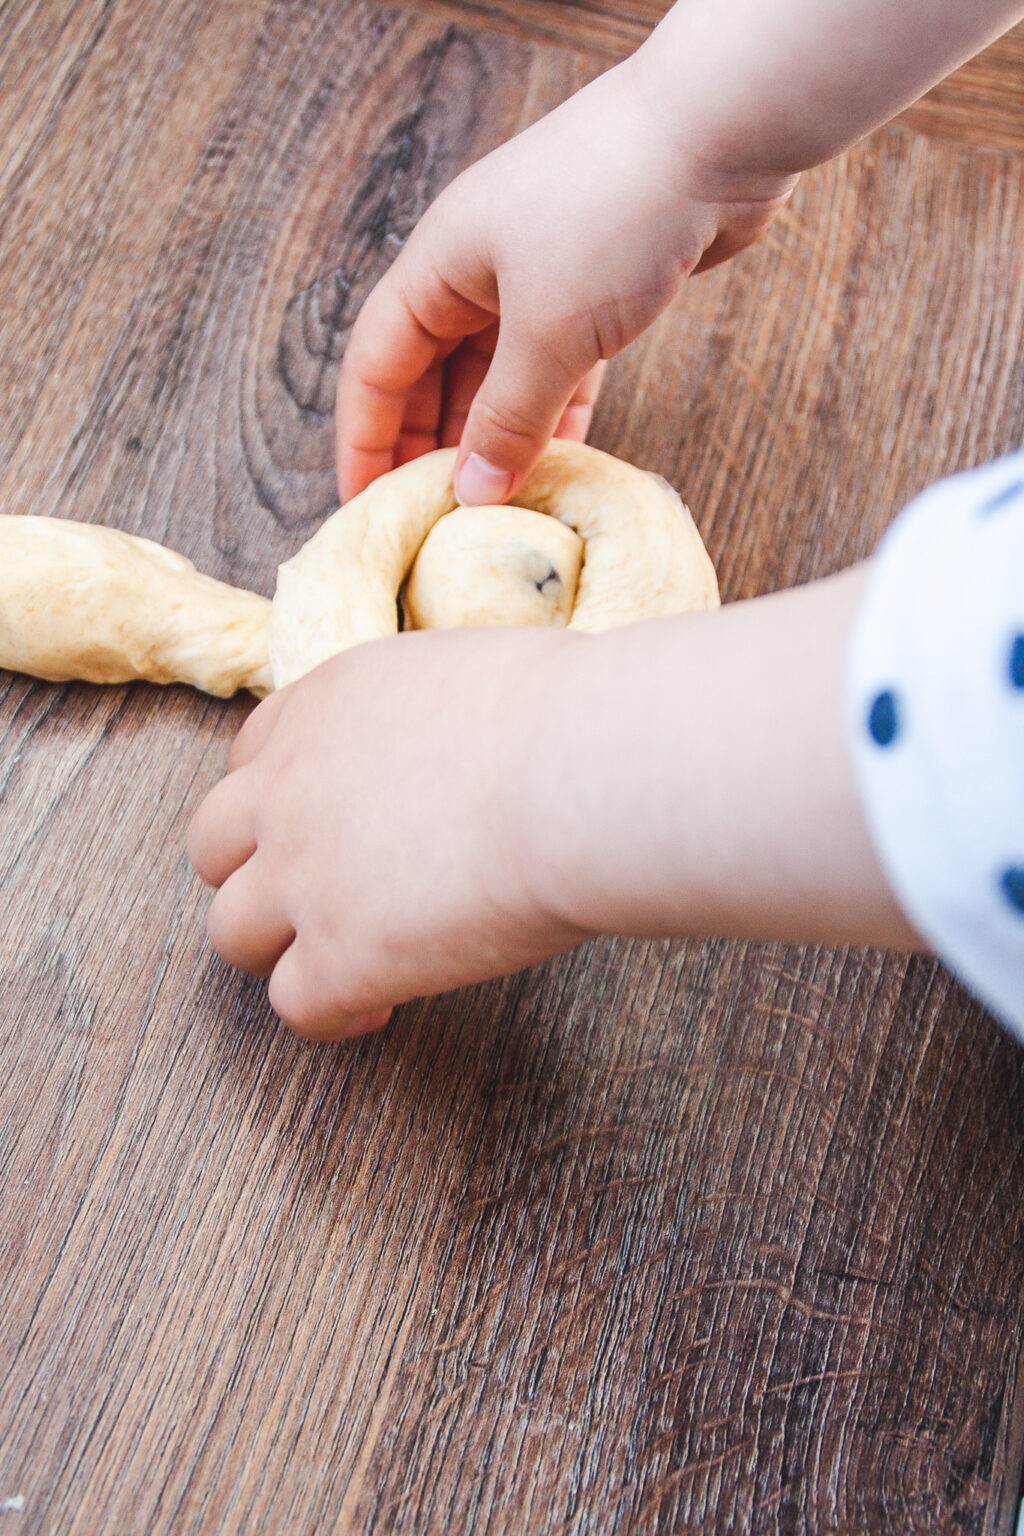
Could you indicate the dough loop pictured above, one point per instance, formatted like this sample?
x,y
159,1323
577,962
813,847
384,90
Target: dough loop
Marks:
x,y
590,542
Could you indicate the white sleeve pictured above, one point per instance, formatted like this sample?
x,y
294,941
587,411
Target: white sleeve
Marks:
x,y
935,705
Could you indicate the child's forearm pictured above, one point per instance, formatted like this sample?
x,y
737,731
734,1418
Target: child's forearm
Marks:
x,y
446,806
695,777
780,85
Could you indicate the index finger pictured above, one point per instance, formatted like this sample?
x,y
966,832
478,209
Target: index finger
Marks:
x,y
401,332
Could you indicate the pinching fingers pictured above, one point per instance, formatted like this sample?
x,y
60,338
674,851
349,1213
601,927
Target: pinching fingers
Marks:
x,y
387,354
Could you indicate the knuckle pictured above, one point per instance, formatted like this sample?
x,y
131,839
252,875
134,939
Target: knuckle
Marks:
x,y
316,1003
293,1004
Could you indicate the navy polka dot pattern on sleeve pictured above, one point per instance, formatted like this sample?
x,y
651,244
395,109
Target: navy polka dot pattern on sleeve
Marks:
x,y
1017,662
1005,497
883,718
936,723
1012,885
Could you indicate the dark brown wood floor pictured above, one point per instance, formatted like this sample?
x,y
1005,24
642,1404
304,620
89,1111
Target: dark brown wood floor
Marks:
x,y
658,1238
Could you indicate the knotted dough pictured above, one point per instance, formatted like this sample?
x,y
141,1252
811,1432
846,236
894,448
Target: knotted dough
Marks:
x,y
590,542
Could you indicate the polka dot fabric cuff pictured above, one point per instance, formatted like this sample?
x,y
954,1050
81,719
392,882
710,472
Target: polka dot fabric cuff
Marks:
x,y
936,719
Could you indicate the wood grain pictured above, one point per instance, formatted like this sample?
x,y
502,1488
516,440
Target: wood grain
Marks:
x,y
608,29
982,103
657,1238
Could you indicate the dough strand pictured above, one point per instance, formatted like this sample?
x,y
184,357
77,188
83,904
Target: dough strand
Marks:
x,y
589,542
82,601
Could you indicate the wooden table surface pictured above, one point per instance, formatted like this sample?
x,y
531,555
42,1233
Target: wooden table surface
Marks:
x,y
660,1237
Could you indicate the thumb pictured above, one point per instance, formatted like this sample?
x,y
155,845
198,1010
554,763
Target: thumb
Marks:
x,y
512,419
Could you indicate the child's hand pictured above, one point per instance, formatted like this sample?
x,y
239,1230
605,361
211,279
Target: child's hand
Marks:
x,y
551,254
534,266
451,805
368,839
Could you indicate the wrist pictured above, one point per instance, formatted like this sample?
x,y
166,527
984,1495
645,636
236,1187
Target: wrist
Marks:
x,y
523,746
578,785
686,118
716,187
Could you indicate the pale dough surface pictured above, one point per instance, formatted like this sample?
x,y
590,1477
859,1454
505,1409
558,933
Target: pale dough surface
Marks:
x,y
643,557
493,565
591,542
81,601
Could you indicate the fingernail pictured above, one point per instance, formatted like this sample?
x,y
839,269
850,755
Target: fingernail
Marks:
x,y
480,484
